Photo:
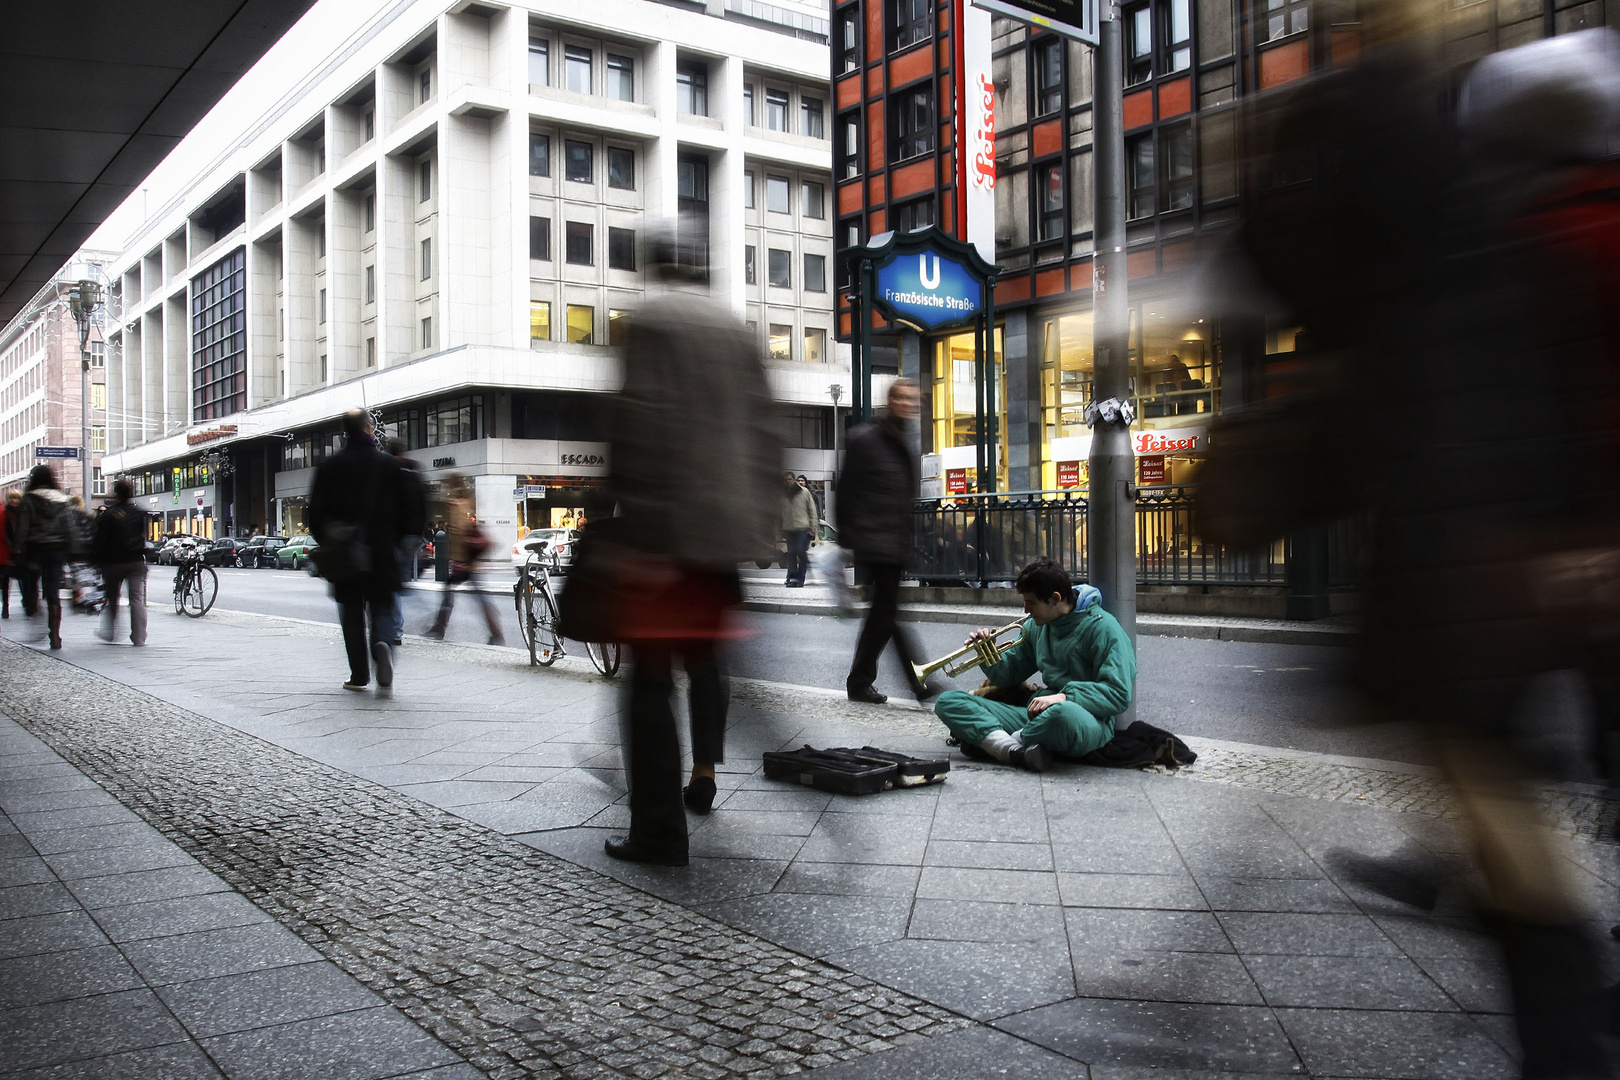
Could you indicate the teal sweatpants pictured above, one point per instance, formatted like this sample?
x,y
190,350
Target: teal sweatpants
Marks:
x,y
1064,729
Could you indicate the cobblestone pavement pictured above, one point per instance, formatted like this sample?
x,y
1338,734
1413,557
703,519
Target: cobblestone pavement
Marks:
x,y
1165,925
523,963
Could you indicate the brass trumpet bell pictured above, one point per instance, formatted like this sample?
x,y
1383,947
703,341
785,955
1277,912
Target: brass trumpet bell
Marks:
x,y
985,651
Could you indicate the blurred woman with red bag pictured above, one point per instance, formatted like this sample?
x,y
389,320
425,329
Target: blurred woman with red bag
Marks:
x,y
468,544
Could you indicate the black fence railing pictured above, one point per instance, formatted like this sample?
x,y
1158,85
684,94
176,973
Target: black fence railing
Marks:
x,y
969,539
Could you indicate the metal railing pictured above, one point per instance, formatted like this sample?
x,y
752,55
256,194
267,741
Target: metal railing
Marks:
x,y
973,539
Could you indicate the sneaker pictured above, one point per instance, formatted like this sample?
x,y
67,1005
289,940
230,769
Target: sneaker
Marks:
x,y
354,686
1033,757
383,655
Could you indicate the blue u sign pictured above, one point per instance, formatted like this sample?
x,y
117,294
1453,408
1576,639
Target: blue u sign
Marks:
x,y
929,290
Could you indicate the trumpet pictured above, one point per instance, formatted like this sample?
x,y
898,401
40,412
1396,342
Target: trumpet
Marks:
x,y
987,650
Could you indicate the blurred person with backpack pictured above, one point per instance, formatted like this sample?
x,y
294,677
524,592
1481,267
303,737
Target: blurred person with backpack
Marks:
x,y
119,550
44,540
358,511
468,544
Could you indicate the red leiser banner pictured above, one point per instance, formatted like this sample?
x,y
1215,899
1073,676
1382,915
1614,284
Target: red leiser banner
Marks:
x,y
1068,474
956,481
1152,468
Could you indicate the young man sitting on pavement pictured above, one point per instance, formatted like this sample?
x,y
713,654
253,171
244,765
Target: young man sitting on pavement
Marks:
x,y
1085,658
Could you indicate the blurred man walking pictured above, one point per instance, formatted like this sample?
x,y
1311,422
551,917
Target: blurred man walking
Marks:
x,y
876,496
695,474
119,549
358,510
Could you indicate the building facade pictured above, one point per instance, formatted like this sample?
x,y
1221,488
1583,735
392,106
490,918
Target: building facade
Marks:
x,y
443,222
45,388
1195,73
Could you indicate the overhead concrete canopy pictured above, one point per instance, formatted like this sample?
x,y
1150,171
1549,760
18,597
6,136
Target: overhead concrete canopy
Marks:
x,y
93,95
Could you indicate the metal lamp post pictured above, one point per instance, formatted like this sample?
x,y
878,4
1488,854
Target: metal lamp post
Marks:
x,y
83,299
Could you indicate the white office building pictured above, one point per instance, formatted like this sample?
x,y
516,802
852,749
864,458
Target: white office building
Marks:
x,y
442,221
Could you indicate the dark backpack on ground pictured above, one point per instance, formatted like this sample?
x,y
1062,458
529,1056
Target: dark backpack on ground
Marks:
x,y
1140,746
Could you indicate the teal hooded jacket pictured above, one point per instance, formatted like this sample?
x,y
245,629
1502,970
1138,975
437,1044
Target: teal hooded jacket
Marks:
x,y
1085,656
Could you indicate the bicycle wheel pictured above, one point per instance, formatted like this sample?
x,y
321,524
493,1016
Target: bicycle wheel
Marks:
x,y
180,587
605,655
547,642
523,600
201,592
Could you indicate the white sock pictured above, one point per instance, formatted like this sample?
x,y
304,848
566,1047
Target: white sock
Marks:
x,y
1000,745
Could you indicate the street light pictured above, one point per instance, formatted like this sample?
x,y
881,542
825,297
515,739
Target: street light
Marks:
x,y
836,390
83,299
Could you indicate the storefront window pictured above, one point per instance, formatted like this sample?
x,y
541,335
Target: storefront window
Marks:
x,y
955,393
1172,365
456,420
1066,375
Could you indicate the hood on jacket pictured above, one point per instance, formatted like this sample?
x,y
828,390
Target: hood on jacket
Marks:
x,y
1085,596
52,501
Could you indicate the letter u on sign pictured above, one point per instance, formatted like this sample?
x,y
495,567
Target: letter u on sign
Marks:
x,y
928,282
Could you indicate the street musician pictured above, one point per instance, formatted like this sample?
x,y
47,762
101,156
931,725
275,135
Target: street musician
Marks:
x,y
1085,659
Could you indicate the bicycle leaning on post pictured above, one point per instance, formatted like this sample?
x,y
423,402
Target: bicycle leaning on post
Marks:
x,y
537,616
195,586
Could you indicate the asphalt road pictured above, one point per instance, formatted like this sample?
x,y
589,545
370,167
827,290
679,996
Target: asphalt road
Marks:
x,y
1272,695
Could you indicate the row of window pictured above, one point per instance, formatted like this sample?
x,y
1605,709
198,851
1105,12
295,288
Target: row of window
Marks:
x,y
911,131
26,420
30,343
779,269
30,381
579,161
579,324
579,244
577,72
779,195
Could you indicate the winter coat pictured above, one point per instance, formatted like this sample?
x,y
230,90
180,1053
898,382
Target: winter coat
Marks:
x,y
361,485
696,460
1085,655
877,494
45,525
120,536
799,511
460,524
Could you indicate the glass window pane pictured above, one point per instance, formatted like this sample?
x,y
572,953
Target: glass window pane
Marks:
x,y
579,243
539,321
776,194
540,238
581,323
621,78
776,106
813,199
581,167
815,346
621,168
539,154
621,249
748,189
618,326
781,268
811,110
781,343
578,62
749,272
815,273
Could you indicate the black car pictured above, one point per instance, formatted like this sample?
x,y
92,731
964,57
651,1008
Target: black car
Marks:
x,y
223,552
259,551
151,551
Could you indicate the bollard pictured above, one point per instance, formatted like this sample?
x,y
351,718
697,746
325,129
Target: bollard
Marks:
x,y
441,556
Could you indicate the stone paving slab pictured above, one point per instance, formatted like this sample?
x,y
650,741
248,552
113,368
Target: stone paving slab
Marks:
x,y
83,994
1081,911
521,963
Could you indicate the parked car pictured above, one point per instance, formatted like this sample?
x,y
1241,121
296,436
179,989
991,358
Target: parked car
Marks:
x,y
169,553
223,552
295,553
151,551
554,542
259,551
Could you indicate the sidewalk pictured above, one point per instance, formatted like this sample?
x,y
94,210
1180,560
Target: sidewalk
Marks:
x,y
434,858
773,597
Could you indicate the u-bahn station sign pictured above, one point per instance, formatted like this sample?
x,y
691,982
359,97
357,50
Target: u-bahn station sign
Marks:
x,y
928,280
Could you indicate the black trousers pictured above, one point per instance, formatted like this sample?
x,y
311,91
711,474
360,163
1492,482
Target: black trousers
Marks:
x,y
882,627
652,748
8,572
353,609
41,579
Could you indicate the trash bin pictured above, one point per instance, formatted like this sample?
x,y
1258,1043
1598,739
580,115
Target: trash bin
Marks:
x,y
441,556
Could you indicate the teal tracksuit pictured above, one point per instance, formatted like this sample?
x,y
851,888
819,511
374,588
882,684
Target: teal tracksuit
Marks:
x,y
1085,656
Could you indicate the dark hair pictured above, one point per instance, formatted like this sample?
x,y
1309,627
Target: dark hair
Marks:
x,y
123,489
1043,577
40,476
355,422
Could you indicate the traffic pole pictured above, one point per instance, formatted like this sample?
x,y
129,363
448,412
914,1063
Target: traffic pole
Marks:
x,y
1111,509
